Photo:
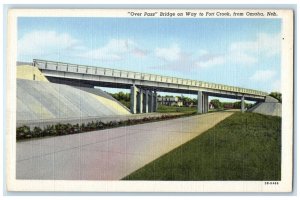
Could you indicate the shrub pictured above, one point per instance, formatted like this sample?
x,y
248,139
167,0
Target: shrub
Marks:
x,y
64,129
94,125
69,129
144,119
135,121
100,125
82,127
23,132
37,132
45,131
128,122
60,129
52,131
76,128
121,123
114,123
90,126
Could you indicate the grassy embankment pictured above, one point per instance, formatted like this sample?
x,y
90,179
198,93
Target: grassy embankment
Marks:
x,y
245,146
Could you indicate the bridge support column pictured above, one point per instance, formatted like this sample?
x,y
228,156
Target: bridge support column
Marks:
x,y
140,101
155,102
146,101
204,103
133,99
200,102
152,102
243,104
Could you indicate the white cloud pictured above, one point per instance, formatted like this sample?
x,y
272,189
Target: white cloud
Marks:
x,y
241,57
276,85
170,54
115,49
139,52
265,44
202,52
269,78
245,53
39,43
270,43
48,43
213,61
263,75
210,60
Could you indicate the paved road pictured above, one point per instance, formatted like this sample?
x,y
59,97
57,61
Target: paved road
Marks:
x,y
108,154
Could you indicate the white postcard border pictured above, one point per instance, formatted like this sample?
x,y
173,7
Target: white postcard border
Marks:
x,y
285,185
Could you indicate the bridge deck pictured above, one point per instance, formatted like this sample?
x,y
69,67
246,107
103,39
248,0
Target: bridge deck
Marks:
x,y
91,73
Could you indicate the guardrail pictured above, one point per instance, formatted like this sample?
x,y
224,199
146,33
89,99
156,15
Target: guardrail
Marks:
x,y
74,68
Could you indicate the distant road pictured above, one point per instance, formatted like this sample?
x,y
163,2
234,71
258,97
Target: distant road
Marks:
x,y
109,154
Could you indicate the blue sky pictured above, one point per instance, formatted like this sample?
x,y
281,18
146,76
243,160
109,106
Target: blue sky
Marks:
x,y
239,52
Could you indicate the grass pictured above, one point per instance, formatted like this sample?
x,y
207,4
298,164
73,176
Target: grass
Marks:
x,y
244,146
171,109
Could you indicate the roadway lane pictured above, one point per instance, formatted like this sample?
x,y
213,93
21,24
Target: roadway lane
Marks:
x,y
109,154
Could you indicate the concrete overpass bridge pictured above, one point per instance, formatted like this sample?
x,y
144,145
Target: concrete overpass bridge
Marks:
x,y
143,86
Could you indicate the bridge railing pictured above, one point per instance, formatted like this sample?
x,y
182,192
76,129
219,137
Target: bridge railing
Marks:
x,y
60,66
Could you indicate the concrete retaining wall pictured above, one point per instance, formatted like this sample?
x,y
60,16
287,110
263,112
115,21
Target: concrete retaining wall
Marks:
x,y
271,106
30,73
39,101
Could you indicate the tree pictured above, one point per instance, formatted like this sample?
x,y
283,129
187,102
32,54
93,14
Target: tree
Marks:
x,y
237,104
276,95
195,101
121,96
216,103
187,101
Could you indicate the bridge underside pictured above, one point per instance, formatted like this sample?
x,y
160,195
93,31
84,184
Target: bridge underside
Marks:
x,y
156,87
144,96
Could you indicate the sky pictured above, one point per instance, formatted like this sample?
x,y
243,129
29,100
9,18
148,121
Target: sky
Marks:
x,y
238,52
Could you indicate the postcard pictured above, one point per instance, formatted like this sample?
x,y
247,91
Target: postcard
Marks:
x,y
150,100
